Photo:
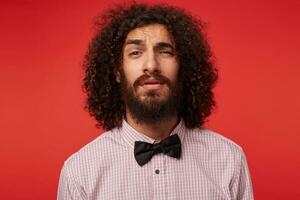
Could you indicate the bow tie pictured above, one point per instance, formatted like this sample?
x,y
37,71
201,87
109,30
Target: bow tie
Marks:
x,y
144,151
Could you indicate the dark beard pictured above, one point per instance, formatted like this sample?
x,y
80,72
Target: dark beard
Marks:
x,y
151,110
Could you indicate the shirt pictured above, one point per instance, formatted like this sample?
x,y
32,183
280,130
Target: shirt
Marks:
x,y
211,167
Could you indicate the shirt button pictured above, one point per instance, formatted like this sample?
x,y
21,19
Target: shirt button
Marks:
x,y
157,171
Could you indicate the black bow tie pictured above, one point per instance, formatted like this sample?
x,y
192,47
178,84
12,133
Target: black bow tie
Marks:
x,y
144,151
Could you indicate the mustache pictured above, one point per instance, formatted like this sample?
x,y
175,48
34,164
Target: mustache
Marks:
x,y
156,75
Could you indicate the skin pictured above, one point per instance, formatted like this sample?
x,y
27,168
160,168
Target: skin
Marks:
x,y
146,50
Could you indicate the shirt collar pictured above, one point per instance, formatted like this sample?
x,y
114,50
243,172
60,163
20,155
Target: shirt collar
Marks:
x,y
130,135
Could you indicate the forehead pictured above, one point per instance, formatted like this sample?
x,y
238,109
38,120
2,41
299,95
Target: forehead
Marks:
x,y
154,33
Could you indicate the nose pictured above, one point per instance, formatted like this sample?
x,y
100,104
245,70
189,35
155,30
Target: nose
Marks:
x,y
151,63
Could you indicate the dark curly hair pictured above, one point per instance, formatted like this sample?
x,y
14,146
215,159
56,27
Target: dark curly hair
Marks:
x,y
104,58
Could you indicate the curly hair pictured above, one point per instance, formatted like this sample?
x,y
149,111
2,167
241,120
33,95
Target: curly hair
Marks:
x,y
104,58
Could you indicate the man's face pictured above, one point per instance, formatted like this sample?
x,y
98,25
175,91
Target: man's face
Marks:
x,y
149,73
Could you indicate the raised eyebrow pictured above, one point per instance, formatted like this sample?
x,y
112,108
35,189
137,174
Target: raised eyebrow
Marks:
x,y
140,42
161,45
135,41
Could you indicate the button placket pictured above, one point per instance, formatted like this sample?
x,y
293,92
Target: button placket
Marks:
x,y
158,170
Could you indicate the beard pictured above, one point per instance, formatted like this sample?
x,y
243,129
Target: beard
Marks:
x,y
155,107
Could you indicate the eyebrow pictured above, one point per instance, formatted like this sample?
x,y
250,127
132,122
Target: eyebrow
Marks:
x,y
134,41
159,45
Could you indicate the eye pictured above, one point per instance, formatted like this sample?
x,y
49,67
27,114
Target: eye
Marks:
x,y
167,53
135,53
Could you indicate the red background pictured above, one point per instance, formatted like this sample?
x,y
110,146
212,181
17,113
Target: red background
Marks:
x,y
42,121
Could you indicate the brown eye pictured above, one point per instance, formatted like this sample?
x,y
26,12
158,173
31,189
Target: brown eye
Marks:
x,y
167,53
135,53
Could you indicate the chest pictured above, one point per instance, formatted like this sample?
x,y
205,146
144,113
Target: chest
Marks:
x,y
163,178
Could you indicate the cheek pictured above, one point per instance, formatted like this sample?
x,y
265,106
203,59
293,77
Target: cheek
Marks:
x,y
130,69
131,74
172,71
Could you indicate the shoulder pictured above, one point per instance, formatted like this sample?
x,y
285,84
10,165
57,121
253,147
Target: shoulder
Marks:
x,y
214,143
212,138
215,151
95,154
83,167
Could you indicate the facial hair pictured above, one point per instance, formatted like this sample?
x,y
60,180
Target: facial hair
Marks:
x,y
151,110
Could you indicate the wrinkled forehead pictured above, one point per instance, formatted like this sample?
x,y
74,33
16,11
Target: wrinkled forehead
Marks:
x,y
151,34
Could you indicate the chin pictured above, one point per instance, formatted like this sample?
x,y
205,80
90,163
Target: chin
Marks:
x,y
156,93
157,99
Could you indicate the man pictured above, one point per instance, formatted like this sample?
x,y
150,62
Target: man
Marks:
x,y
149,79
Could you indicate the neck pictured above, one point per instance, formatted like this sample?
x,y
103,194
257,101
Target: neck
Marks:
x,y
156,131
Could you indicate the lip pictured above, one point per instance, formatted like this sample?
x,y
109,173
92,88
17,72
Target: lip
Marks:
x,y
151,81
152,84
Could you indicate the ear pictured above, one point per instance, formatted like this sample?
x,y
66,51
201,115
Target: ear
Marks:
x,y
118,76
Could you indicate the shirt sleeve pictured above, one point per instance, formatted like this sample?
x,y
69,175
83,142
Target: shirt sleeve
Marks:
x,y
68,189
241,185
